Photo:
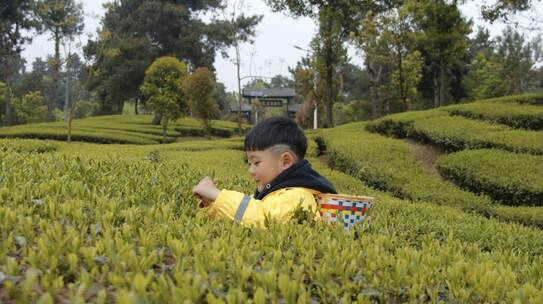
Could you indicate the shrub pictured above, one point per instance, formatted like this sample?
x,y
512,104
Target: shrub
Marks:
x,y
514,115
511,178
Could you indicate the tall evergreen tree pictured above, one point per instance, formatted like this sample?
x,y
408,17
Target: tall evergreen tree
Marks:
x,y
62,19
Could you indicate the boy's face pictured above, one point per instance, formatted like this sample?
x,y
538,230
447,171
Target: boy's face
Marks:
x,y
264,166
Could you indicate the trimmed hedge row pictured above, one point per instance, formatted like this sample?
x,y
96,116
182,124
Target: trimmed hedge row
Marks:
x,y
457,133
129,129
514,115
401,124
388,164
25,145
92,136
511,178
454,133
533,98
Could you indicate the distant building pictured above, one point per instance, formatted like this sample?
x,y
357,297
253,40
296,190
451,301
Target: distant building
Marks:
x,y
274,97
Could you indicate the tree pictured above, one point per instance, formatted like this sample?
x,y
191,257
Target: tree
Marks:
x,y
337,19
63,19
199,88
330,52
407,76
16,16
30,108
280,81
134,33
377,59
517,57
256,84
163,91
501,9
442,37
354,82
485,78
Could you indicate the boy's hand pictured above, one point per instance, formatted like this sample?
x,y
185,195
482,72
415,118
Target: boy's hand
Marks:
x,y
206,190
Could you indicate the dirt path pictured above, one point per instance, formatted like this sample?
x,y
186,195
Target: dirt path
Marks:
x,y
427,155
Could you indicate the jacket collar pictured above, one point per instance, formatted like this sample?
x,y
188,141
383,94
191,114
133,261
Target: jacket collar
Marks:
x,y
300,174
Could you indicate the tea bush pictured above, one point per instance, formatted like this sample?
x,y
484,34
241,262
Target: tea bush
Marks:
x,y
512,178
514,115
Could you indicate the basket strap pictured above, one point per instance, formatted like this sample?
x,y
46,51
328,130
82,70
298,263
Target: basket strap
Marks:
x,y
242,207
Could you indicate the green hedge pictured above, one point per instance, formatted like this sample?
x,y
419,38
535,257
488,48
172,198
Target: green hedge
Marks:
x,y
511,178
93,136
457,133
454,133
534,99
514,115
25,145
401,124
388,164
125,230
127,129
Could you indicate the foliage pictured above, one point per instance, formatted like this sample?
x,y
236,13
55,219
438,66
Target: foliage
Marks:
x,y
455,133
511,178
400,124
330,52
135,129
31,108
199,88
394,66
534,99
353,111
485,78
16,17
514,115
94,227
517,58
406,78
26,145
162,90
134,34
442,36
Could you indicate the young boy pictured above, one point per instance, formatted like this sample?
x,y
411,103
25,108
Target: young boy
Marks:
x,y
275,150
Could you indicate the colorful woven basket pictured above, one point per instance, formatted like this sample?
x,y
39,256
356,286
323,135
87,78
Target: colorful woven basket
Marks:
x,y
346,210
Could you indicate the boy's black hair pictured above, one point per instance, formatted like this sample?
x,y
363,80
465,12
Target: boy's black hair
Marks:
x,y
274,131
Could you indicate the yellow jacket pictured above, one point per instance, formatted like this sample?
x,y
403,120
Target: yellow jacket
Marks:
x,y
279,205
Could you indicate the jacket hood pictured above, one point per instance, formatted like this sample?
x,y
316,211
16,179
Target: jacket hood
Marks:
x,y
298,175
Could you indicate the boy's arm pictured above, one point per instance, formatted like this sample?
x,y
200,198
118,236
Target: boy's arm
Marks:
x,y
280,205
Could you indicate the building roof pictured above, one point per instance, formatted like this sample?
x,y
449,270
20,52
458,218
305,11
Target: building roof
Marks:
x,y
269,93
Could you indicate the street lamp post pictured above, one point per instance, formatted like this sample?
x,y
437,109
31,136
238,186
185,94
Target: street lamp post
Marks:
x,y
314,85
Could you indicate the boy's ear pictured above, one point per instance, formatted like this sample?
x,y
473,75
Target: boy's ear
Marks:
x,y
287,159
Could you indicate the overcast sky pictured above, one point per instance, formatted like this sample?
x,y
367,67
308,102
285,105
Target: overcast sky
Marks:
x,y
271,54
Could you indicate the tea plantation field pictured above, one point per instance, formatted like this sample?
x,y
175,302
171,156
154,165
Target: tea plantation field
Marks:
x,y
126,129
94,223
